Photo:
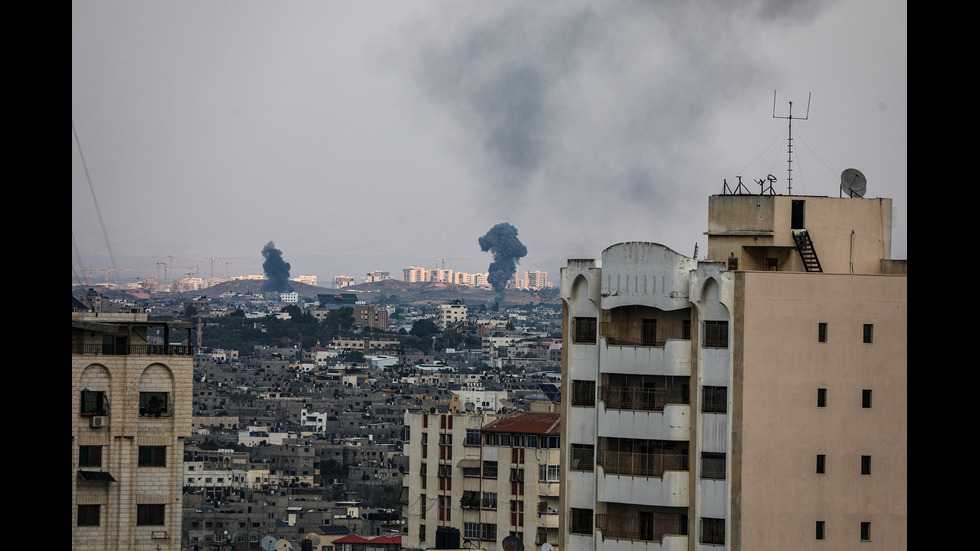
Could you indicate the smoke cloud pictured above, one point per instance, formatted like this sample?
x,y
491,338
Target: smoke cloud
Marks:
x,y
507,251
276,270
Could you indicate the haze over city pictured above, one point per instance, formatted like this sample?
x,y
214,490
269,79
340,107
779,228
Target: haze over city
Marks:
x,y
379,135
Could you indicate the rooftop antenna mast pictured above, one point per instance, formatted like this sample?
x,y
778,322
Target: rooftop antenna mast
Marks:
x,y
789,162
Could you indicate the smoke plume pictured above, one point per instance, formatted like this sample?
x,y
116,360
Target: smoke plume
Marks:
x,y
507,251
276,271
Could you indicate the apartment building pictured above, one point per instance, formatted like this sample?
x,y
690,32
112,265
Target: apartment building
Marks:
x,y
473,482
131,410
452,314
753,400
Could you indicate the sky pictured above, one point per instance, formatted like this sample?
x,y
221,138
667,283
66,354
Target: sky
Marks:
x,y
377,135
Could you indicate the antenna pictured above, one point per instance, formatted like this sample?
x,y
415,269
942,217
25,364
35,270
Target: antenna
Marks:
x,y
789,162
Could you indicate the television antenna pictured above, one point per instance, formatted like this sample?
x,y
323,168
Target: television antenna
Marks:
x,y
789,161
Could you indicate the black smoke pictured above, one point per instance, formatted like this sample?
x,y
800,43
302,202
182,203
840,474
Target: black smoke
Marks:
x,y
276,270
507,251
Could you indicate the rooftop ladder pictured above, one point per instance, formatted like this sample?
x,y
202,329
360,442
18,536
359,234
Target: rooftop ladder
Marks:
x,y
805,247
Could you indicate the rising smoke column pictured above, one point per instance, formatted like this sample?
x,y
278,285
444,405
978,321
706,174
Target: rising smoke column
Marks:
x,y
507,251
276,271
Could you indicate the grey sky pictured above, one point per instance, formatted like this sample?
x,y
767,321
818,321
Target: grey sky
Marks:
x,y
377,135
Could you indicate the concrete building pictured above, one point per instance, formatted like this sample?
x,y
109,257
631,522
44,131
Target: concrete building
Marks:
x,y
452,314
754,400
472,483
131,410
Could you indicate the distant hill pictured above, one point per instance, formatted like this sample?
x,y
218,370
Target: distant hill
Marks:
x,y
406,293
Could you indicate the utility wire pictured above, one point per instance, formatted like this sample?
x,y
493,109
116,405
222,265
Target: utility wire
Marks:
x,y
88,178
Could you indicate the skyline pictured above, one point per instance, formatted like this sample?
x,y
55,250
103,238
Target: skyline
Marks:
x,y
344,132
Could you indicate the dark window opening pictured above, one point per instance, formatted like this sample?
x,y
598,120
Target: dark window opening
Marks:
x,y
865,464
93,402
89,515
865,531
583,457
821,397
716,334
152,456
583,393
151,514
713,530
866,398
714,399
90,456
585,330
821,464
822,332
581,521
820,528
155,404
869,332
713,465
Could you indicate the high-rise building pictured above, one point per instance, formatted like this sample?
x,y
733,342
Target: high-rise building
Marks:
x,y
130,412
471,483
753,400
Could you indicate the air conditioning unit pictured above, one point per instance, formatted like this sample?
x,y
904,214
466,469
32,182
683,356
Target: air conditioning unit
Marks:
x,y
99,421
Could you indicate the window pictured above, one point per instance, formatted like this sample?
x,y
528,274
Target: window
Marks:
x,y
93,402
421,532
866,398
865,531
649,335
472,437
713,530
820,529
89,515
821,332
821,397
548,473
869,330
470,499
583,393
865,464
517,475
582,457
585,330
89,456
152,456
714,399
713,465
581,521
471,530
489,469
821,464
155,404
488,531
716,334
489,500
151,514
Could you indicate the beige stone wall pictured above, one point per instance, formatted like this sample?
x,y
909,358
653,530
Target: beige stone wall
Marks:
x,y
122,378
778,428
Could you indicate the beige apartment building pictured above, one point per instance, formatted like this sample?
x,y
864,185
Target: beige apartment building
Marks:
x,y
474,481
755,400
130,412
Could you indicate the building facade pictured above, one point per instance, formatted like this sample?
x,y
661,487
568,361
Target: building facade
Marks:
x,y
754,400
473,482
131,410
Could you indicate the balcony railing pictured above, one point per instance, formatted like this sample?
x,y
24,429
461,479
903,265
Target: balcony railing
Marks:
x,y
133,350
641,464
640,526
638,398
636,333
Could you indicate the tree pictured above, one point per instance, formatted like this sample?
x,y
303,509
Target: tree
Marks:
x,y
424,328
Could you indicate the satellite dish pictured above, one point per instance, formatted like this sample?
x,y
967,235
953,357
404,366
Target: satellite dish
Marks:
x,y
547,547
470,406
268,543
853,183
284,545
512,543
314,539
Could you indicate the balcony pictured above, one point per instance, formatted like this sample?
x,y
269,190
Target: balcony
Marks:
x,y
639,398
670,358
641,464
641,526
116,349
